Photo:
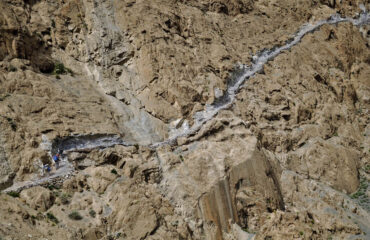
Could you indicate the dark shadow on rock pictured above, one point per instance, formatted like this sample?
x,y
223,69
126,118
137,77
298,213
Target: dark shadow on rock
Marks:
x,y
19,42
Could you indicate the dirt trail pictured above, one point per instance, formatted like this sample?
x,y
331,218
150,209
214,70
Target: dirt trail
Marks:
x,y
66,145
65,170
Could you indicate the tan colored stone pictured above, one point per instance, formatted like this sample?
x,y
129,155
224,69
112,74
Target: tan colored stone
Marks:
x,y
324,161
38,198
99,178
269,164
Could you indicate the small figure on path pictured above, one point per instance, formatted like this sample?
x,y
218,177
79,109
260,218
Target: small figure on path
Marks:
x,y
56,159
46,169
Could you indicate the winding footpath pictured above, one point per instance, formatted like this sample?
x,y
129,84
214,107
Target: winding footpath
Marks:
x,y
86,142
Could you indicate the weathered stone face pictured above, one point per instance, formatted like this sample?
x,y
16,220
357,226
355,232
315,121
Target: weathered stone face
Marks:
x,y
38,198
100,81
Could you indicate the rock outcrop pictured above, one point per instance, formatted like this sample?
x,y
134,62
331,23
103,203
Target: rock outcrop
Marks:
x,y
106,83
38,198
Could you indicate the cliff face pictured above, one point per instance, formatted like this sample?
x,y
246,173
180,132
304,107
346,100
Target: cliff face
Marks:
x,y
108,82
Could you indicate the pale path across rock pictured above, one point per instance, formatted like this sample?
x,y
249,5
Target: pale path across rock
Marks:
x,y
65,145
64,171
76,143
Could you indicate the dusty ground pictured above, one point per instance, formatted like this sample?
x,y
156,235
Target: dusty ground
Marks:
x,y
288,160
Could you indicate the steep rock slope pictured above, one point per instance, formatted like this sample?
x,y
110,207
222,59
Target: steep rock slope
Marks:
x,y
280,163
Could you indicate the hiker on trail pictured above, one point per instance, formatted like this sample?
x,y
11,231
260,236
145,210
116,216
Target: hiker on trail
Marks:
x,y
46,169
56,159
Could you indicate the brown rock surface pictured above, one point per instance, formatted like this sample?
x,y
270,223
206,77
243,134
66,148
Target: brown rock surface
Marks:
x,y
101,80
38,198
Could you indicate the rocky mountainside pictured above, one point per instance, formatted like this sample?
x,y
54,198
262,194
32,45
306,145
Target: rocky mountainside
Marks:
x,y
227,119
